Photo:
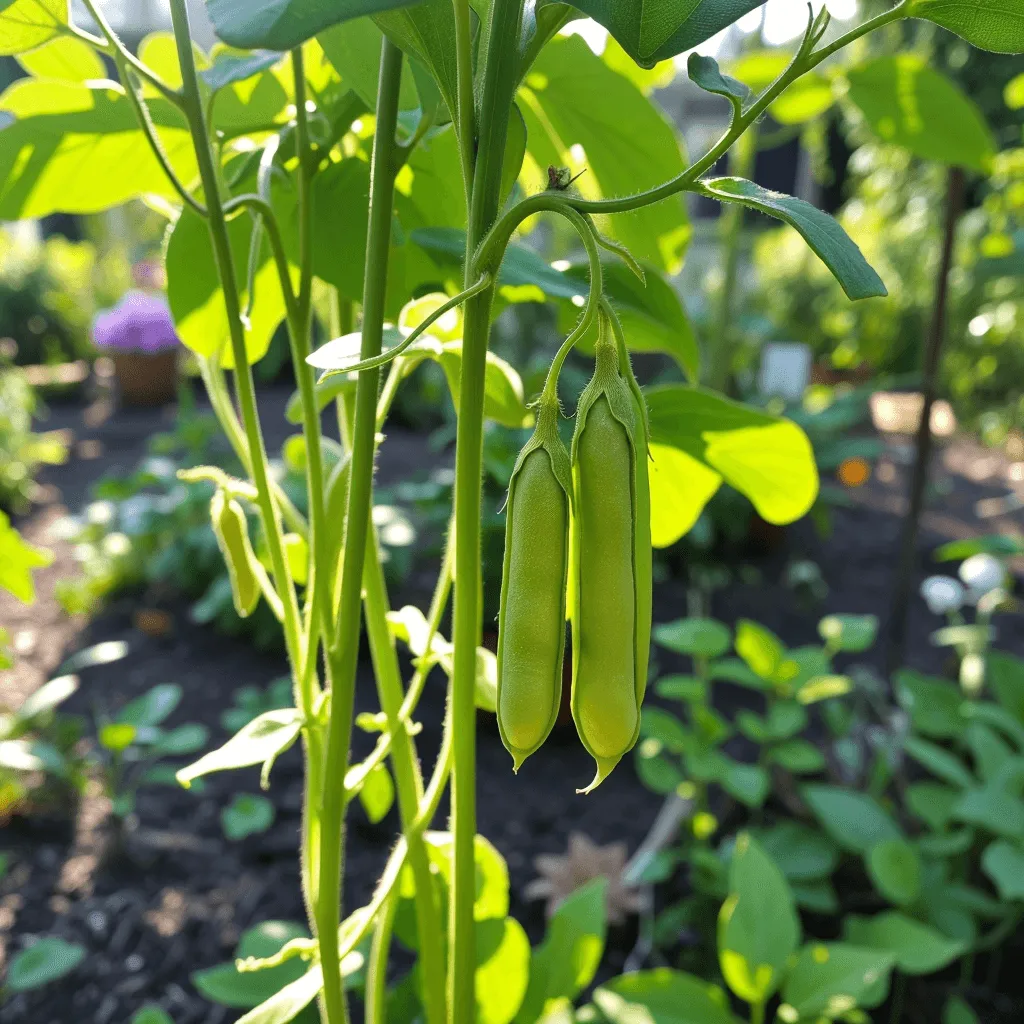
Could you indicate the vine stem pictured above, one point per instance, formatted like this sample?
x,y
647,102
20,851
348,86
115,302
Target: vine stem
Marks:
x,y
500,70
344,649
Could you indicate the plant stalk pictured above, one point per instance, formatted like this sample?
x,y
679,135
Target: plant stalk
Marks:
x,y
344,650
903,588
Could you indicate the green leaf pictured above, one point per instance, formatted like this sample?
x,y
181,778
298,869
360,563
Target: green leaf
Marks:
x,y
762,650
909,104
803,100
652,315
803,853
656,771
117,737
226,985
64,58
248,814
822,233
768,460
353,47
153,707
185,739
748,783
956,1011
197,300
25,24
46,960
819,897
801,757
855,821
758,927
829,976
934,705
705,73
988,24
502,971
491,873
685,688
992,754
992,808
915,948
1004,864
662,996
627,145
994,544
152,1015
895,871
853,634
1013,94
503,389
658,29
261,741
1005,675
285,1006
932,803
283,24
938,761
566,961
704,638
77,148
17,560
425,30
377,793
229,68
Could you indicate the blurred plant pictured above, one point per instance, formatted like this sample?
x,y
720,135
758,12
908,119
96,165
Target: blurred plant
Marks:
x,y
47,960
248,814
41,761
133,746
22,451
249,702
49,291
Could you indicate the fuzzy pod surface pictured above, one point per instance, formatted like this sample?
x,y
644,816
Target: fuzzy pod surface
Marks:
x,y
232,532
531,620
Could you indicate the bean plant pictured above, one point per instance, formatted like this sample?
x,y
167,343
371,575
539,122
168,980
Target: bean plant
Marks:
x,y
261,154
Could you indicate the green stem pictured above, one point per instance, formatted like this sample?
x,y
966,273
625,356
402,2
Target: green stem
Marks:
x,y
466,113
741,165
499,80
408,780
757,1013
344,650
377,965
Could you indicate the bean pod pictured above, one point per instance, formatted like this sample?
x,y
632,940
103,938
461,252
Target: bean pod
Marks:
x,y
611,605
232,532
531,621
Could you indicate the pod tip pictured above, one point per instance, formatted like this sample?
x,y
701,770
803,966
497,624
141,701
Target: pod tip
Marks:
x,y
605,765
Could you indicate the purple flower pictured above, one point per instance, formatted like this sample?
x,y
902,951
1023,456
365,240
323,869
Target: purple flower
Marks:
x,y
140,322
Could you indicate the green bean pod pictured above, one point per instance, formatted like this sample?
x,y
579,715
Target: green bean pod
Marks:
x,y
607,683
244,570
531,621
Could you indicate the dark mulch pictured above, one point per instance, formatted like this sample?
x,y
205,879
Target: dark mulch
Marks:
x,y
178,894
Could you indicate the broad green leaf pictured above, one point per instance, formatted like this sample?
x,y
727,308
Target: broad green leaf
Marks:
x,y
645,79
680,488
259,742
996,25
767,459
64,58
77,148
805,99
662,996
855,821
1005,674
377,793
932,803
284,1006
853,634
1004,864
801,757
652,315
426,31
502,971
705,638
228,68
46,960
283,24
657,29
992,754
197,300
909,104
747,783
152,1015
803,853
18,559
503,388
830,977
761,649
993,544
934,705
491,873
758,927
153,707
657,772
895,870
822,233
915,948
185,739
565,962
625,143
25,24
957,1011
248,814
226,985
993,808
939,761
